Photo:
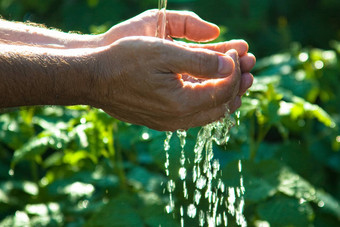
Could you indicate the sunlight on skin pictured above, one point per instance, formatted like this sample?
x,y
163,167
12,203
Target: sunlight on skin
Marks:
x,y
100,70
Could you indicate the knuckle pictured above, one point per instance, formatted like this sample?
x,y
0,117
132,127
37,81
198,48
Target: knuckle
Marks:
x,y
206,64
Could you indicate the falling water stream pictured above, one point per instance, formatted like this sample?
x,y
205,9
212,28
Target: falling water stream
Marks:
x,y
206,172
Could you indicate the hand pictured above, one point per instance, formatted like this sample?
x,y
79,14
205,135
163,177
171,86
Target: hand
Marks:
x,y
180,24
142,83
184,24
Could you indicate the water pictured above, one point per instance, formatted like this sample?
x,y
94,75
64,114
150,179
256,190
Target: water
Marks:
x,y
206,178
171,184
161,27
206,170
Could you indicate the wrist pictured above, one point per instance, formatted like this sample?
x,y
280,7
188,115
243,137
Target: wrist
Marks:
x,y
77,86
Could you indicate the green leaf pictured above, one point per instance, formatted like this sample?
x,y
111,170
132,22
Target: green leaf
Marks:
x,y
31,150
150,181
260,179
73,157
283,211
313,110
19,219
13,131
119,212
293,185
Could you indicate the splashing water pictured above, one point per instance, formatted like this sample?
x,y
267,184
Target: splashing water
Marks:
x,y
206,170
171,184
206,173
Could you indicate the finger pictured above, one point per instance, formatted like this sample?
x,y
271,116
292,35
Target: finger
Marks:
x,y
240,46
185,24
246,82
198,63
235,104
247,62
211,93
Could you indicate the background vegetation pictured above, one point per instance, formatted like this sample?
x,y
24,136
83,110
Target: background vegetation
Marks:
x,y
76,166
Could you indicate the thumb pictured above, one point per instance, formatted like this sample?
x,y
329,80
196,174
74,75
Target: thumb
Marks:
x,y
199,63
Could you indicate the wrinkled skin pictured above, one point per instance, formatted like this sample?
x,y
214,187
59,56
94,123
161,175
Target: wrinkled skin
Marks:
x,y
168,85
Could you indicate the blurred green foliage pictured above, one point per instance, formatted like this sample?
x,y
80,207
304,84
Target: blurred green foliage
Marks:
x,y
76,166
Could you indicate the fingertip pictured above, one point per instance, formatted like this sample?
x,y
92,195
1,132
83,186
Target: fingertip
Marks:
x,y
253,57
247,62
246,83
215,31
236,103
226,65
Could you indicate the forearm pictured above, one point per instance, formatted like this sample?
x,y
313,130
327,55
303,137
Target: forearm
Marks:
x,y
42,76
26,34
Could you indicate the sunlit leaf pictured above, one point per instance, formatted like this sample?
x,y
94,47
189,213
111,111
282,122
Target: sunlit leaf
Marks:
x,y
284,211
31,149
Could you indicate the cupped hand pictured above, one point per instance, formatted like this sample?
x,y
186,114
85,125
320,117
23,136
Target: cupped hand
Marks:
x,y
180,24
185,24
142,83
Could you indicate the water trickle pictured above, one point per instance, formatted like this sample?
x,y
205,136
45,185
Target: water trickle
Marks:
x,y
206,175
161,27
182,134
206,170
197,196
171,184
182,215
201,218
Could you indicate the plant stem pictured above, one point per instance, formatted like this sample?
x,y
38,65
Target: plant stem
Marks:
x,y
255,143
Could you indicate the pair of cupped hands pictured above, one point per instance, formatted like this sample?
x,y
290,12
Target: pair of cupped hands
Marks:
x,y
169,85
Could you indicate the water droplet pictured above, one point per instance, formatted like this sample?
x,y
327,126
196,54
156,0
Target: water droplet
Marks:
x,y
185,190
225,219
231,200
59,145
182,134
11,172
182,214
182,173
303,57
201,182
321,203
197,196
191,211
219,220
201,218
105,140
83,120
318,64
171,186
169,209
167,141
145,136
338,139
216,168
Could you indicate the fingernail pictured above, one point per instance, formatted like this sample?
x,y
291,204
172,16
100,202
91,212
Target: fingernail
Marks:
x,y
225,65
